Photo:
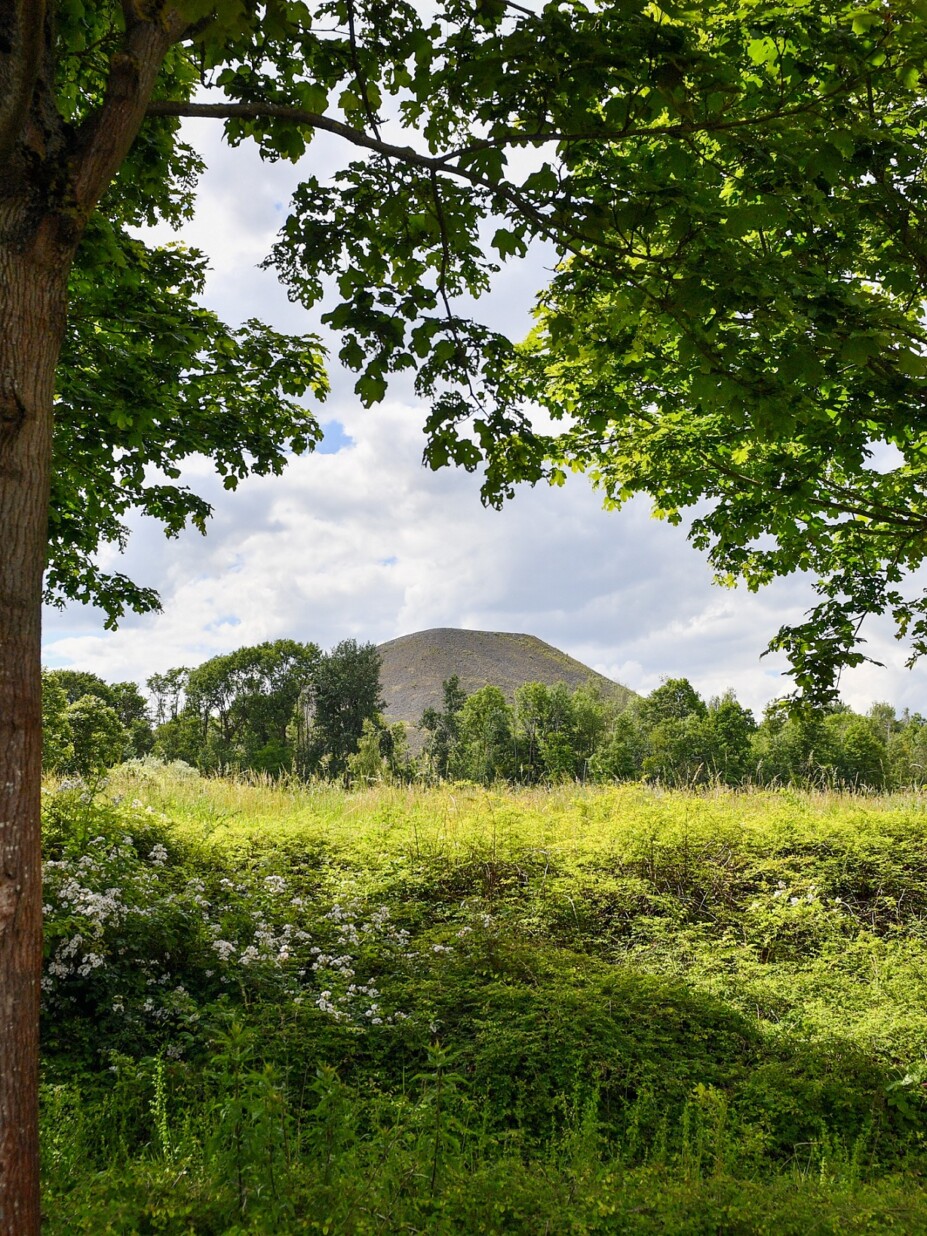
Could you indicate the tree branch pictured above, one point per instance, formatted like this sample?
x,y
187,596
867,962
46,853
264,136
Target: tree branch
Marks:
x,y
298,115
513,137
105,138
356,137
22,28
359,74
568,241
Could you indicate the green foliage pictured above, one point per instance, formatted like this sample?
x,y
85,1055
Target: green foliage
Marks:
x,y
167,692
57,742
124,698
797,750
270,708
98,738
620,756
755,334
77,683
674,700
180,738
680,751
278,708
443,729
344,693
244,702
470,1010
172,379
486,746
545,733
733,195
381,754
862,755
732,728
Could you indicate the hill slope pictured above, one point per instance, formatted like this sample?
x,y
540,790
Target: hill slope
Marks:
x,y
415,666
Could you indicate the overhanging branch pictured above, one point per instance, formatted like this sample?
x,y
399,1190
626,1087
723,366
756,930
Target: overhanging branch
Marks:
x,y
683,130
310,120
403,154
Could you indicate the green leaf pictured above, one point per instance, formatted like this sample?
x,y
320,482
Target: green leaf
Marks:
x,y
508,243
371,389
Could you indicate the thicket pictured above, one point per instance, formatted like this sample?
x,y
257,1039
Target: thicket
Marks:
x,y
287,708
282,1008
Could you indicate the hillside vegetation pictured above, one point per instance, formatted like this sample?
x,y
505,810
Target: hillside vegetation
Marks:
x,y
453,1010
288,708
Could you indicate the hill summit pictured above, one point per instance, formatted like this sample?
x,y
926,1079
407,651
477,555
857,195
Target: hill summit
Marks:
x,y
415,666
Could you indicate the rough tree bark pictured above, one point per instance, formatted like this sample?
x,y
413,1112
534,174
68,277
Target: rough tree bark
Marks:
x,y
50,182
32,312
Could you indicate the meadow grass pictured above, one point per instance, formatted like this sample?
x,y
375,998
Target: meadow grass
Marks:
x,y
581,1009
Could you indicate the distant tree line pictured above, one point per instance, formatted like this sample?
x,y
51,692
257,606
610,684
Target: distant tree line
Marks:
x,y
286,707
275,707
550,734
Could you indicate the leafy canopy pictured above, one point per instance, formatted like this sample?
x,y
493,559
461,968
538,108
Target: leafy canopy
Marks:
x,y
735,194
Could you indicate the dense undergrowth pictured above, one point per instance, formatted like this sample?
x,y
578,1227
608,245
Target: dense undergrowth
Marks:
x,y
273,1009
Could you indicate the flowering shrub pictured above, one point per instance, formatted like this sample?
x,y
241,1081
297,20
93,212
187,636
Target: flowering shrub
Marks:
x,y
264,1005
137,947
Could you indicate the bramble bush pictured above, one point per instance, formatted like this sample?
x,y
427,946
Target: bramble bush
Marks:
x,y
279,1008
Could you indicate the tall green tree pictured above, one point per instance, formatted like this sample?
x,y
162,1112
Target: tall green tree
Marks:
x,y
860,752
734,192
98,738
732,727
747,326
486,750
167,693
794,750
593,716
673,700
124,698
244,703
443,728
621,753
680,751
545,733
344,694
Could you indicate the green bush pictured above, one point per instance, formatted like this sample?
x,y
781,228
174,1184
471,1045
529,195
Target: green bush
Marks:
x,y
272,1009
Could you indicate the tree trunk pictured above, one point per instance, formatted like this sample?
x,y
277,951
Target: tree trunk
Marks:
x,y
33,285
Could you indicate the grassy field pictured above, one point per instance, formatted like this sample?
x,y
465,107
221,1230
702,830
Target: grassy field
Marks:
x,y
275,1009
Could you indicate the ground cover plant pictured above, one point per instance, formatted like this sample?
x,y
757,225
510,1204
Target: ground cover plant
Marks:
x,y
272,1007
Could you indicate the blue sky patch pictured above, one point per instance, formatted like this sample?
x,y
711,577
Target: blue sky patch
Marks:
x,y
336,438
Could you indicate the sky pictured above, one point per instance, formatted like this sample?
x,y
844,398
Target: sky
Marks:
x,y
359,540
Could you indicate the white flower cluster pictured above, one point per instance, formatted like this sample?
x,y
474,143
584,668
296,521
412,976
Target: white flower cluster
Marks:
x,y
109,899
99,907
345,999
782,890
785,898
112,908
